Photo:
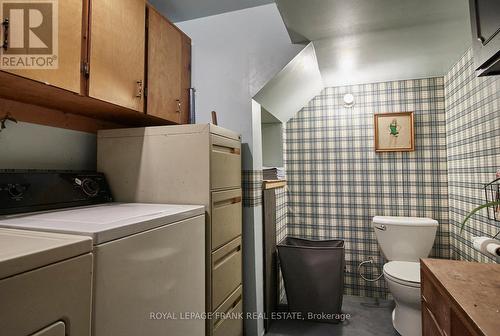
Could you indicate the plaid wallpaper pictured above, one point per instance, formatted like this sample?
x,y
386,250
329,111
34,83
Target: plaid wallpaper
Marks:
x,y
473,140
337,182
251,181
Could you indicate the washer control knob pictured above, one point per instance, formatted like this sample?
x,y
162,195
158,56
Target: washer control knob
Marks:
x,y
89,186
16,191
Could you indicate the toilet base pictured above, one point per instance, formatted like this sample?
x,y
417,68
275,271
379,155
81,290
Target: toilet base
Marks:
x,y
407,321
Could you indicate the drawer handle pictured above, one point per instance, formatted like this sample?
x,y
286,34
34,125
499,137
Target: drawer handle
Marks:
x,y
224,149
5,24
227,256
227,312
235,303
230,201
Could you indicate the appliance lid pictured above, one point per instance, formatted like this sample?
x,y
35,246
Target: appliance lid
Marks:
x,y
23,250
406,271
392,220
105,222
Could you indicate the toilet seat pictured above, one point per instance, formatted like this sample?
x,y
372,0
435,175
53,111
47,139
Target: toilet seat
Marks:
x,y
406,273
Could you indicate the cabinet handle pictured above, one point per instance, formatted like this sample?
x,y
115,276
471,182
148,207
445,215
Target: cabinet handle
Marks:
x,y
227,256
5,24
179,105
221,319
225,149
139,89
230,201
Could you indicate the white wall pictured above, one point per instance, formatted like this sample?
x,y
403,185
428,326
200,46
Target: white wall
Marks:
x,y
234,55
253,242
272,145
29,146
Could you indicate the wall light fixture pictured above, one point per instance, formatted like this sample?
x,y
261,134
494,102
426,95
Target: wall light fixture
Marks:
x,y
349,100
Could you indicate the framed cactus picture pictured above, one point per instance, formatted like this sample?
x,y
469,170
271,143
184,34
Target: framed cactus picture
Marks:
x,y
394,132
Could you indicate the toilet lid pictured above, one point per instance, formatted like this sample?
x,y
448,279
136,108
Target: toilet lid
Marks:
x,y
406,271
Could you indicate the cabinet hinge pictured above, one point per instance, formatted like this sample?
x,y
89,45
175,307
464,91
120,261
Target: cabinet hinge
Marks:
x,y
146,91
85,69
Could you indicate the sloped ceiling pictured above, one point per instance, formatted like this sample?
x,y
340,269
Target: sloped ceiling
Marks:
x,y
362,41
293,87
268,118
183,10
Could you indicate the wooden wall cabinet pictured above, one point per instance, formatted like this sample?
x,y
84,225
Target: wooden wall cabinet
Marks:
x,y
485,27
71,24
459,298
186,80
169,69
117,51
112,53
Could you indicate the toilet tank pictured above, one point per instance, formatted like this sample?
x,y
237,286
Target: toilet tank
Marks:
x,y
405,238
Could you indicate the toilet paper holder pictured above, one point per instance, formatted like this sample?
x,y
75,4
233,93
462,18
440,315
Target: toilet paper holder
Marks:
x,y
487,246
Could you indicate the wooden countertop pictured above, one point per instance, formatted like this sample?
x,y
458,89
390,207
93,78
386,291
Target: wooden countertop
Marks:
x,y
474,287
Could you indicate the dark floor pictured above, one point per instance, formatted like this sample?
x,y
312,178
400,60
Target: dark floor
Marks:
x,y
367,319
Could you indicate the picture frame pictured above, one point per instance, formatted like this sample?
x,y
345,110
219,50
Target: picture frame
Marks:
x,y
394,132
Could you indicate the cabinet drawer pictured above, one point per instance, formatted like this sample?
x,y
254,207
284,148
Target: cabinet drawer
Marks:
x,y
226,217
226,271
429,325
225,163
230,324
436,303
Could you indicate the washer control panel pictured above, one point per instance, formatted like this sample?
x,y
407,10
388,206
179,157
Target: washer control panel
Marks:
x,y
29,191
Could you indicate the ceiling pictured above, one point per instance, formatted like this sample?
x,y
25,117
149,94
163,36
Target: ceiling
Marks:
x,y
268,118
183,10
293,87
362,41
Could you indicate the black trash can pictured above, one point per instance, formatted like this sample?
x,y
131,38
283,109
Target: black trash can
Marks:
x,y
313,272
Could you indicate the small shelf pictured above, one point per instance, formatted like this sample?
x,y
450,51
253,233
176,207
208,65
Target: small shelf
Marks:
x,y
273,184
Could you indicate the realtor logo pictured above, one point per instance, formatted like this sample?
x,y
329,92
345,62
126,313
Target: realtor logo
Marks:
x,y
30,34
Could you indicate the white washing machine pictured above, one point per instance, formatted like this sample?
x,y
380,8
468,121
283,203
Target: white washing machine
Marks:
x,y
45,284
149,259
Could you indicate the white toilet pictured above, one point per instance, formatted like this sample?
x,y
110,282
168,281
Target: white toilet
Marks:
x,y
403,241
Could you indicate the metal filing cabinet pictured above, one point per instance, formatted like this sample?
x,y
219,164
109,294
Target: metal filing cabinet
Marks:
x,y
188,164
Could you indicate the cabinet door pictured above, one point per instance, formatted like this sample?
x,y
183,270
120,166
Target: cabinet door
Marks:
x,y
186,79
485,21
68,74
117,52
164,68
